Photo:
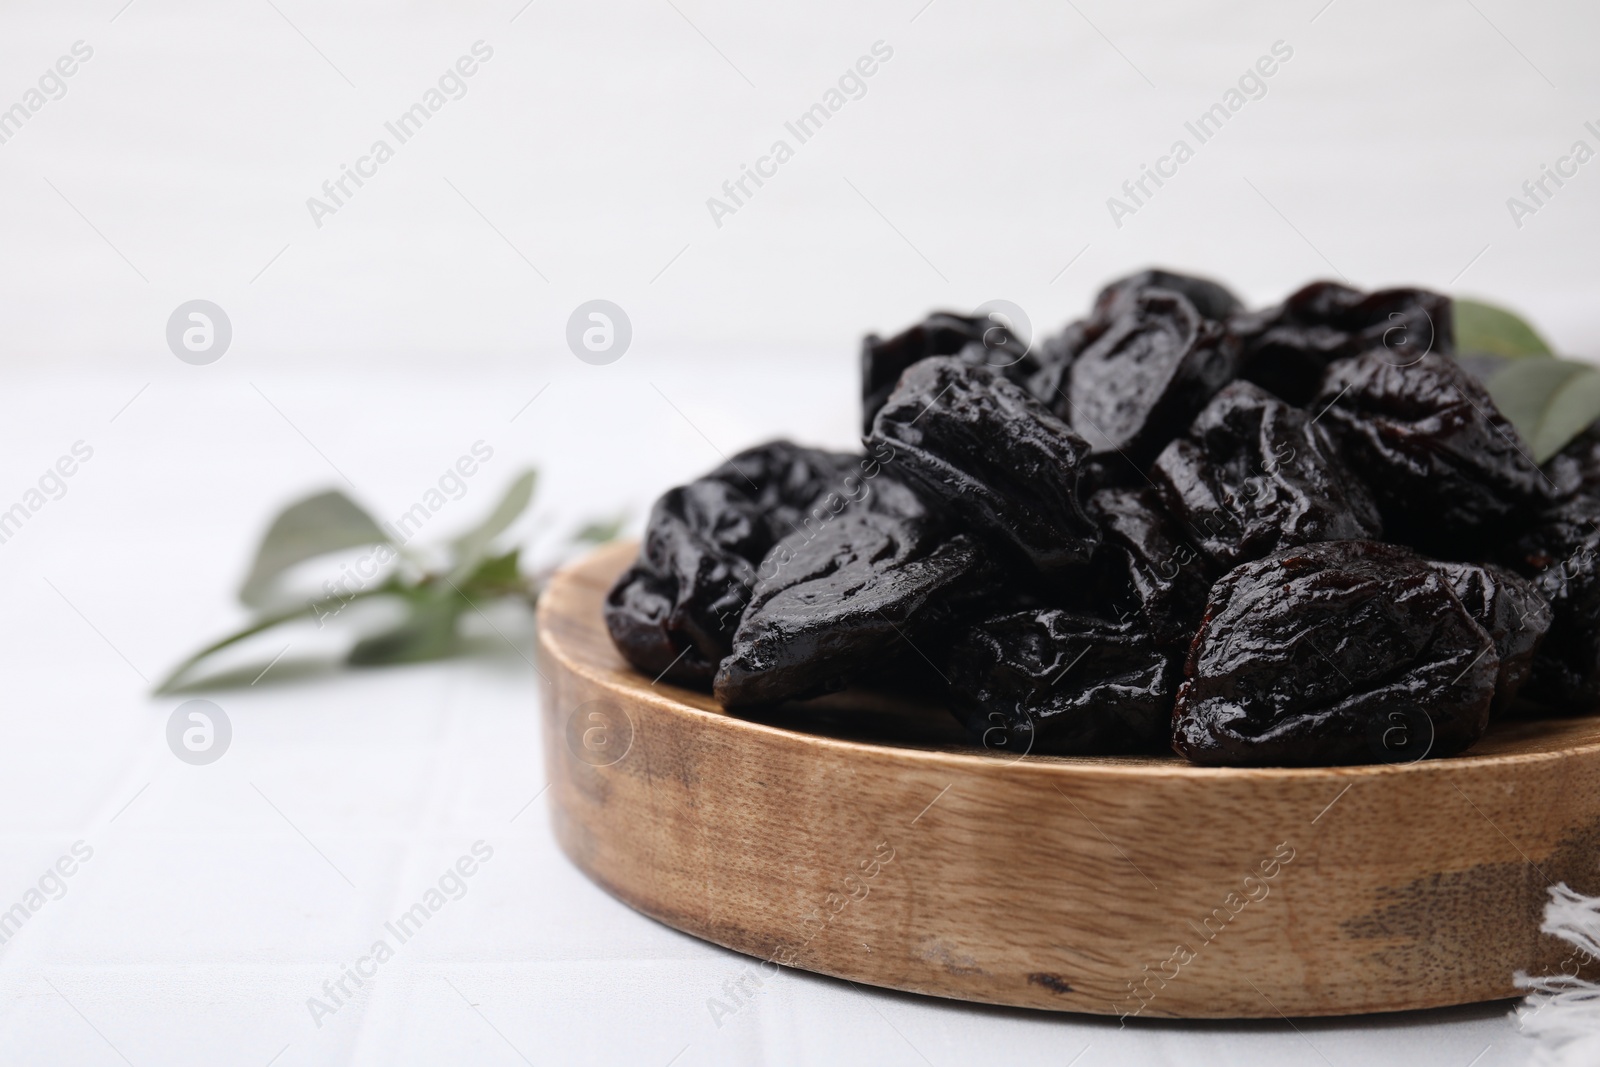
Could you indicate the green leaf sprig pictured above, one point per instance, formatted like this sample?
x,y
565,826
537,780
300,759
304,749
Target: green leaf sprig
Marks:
x,y
434,597
1548,399
1487,330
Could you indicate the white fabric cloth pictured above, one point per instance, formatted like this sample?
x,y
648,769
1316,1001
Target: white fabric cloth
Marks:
x,y
1562,1010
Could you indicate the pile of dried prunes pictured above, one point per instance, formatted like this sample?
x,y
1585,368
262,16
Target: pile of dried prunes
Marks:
x,y
1302,535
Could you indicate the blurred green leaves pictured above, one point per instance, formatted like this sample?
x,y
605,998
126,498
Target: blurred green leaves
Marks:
x,y
1549,400
1488,330
315,526
465,573
471,546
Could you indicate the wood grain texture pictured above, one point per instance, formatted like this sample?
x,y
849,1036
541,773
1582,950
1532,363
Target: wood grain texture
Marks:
x,y
885,850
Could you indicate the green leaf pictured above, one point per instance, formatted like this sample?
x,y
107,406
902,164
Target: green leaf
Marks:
x,y
495,576
429,632
599,532
470,547
1484,329
315,526
316,610
1549,401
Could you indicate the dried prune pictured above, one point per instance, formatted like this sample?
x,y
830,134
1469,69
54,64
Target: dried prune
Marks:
x,y
1152,370
993,456
1145,568
1308,656
1516,615
1286,349
1048,383
674,611
980,340
1449,472
1058,353
1560,554
783,481
1053,681
1211,300
1160,525
830,605
1254,474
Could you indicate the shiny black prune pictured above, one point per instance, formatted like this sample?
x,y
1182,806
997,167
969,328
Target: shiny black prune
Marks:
x,y
831,604
1211,300
1045,680
992,456
1048,383
957,560
1450,474
784,481
1560,554
979,340
1516,615
674,611
1309,655
1057,354
1287,349
1154,368
1146,569
1254,474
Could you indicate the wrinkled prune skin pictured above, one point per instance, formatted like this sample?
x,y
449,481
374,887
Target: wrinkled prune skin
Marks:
x,y
1303,658
1058,353
1149,374
1049,681
1211,300
992,456
830,605
1560,554
1254,475
1287,349
977,340
784,481
1146,569
1450,474
1516,615
673,613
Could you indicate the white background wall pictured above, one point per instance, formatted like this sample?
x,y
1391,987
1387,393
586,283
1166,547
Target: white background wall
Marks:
x,y
594,136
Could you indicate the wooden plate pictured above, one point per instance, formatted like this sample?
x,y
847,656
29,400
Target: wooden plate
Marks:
x,y
873,843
